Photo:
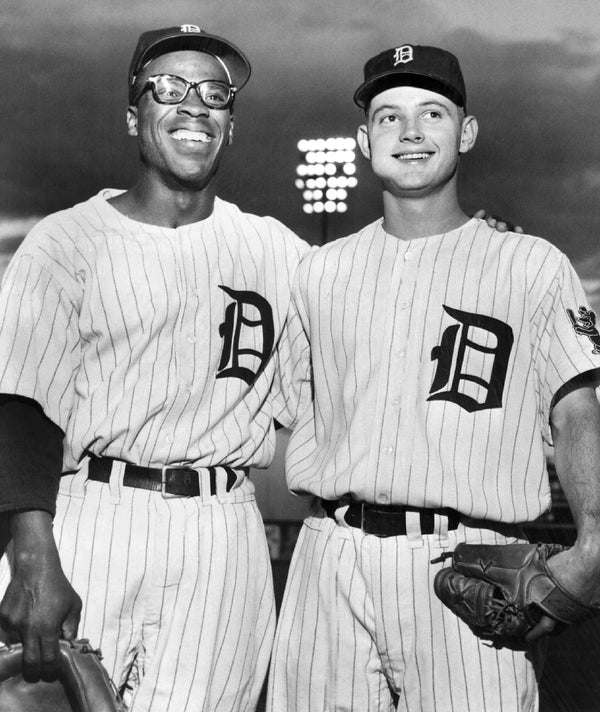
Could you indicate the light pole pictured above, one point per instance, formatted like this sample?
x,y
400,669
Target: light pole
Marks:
x,y
325,176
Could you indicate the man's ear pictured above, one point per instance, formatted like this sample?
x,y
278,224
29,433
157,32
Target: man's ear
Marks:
x,y
362,138
230,137
132,121
468,136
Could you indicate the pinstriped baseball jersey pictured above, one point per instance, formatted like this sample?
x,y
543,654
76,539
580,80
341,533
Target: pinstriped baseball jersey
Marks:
x,y
153,346
435,364
166,333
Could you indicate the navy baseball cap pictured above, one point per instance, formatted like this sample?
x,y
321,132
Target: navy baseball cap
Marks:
x,y
154,43
413,65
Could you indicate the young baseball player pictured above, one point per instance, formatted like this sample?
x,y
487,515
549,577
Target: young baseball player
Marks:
x,y
442,356
136,331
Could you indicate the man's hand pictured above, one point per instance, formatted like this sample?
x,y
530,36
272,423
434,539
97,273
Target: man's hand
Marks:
x,y
39,606
577,573
497,222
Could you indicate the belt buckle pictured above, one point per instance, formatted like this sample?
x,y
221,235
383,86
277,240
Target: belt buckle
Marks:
x,y
163,484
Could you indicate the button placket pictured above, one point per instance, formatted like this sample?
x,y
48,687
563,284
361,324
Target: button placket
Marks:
x,y
394,413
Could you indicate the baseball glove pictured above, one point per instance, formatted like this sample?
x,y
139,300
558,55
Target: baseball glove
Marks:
x,y
83,684
502,591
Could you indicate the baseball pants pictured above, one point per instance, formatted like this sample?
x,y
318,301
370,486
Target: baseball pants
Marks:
x,y
361,630
178,588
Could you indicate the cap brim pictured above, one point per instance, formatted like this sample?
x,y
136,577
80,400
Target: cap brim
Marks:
x,y
395,78
234,58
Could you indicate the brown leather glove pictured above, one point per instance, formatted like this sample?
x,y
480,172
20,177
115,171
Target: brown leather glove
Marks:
x,y
501,591
83,684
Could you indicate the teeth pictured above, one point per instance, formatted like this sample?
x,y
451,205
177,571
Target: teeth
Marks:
x,y
413,156
186,135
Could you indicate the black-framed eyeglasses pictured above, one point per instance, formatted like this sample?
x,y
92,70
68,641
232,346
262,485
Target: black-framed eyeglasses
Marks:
x,y
171,89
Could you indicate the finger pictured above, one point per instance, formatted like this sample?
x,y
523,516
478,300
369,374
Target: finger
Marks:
x,y
49,658
545,626
519,229
11,635
71,624
32,667
480,214
491,221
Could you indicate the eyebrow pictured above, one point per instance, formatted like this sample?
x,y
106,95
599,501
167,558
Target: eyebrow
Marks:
x,y
421,105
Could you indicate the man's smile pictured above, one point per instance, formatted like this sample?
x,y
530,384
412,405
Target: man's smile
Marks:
x,y
424,155
188,135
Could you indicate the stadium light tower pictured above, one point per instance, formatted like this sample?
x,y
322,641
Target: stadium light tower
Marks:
x,y
325,176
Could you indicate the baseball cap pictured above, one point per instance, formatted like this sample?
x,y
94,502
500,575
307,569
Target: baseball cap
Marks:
x,y
413,65
154,43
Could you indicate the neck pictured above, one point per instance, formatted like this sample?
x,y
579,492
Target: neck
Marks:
x,y
154,203
408,218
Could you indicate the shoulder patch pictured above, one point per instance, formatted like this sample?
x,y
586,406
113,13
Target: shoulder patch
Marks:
x,y
585,325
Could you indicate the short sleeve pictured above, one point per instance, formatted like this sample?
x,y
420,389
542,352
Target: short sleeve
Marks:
x,y
39,338
569,344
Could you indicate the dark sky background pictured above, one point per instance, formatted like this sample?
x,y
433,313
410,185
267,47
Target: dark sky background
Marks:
x,y
532,70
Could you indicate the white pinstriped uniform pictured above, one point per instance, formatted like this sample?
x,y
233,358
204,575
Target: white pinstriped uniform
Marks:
x,y
151,345
435,363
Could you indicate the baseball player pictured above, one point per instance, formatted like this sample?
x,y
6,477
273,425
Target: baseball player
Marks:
x,y
442,357
136,333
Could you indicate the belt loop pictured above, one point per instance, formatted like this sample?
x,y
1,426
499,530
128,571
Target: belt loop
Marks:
x,y
115,484
442,541
74,486
413,530
340,514
212,476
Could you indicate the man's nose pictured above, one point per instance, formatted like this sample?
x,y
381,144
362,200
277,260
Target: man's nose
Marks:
x,y
193,104
411,131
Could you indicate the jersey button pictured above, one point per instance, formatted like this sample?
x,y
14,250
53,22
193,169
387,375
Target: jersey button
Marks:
x,y
403,304
395,401
382,499
408,256
191,338
388,450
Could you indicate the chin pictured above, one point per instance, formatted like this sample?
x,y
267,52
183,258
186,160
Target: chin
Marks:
x,y
195,183
197,178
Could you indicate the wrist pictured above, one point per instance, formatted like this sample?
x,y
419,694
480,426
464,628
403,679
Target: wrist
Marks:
x,y
587,546
33,538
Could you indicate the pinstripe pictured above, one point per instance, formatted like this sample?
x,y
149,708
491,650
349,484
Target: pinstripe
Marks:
x,y
238,590
494,462
355,369
376,311
129,642
468,269
421,357
414,650
127,307
115,328
203,608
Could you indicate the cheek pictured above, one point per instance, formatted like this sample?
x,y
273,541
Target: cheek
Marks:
x,y
381,143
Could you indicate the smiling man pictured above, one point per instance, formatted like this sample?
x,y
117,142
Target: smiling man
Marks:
x,y
135,343
428,359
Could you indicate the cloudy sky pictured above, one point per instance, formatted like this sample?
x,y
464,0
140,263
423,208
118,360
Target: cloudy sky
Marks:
x,y
532,70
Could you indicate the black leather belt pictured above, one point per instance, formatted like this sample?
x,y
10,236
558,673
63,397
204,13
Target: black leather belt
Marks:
x,y
389,520
174,481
